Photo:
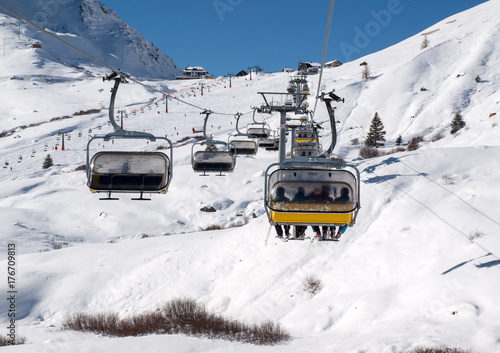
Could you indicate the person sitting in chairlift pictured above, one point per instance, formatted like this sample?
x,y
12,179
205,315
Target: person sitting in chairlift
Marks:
x,y
300,196
280,197
324,197
344,196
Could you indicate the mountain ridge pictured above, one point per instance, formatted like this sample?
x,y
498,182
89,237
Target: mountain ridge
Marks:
x,y
85,23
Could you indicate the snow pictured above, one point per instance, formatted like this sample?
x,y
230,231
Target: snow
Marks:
x,y
405,275
91,27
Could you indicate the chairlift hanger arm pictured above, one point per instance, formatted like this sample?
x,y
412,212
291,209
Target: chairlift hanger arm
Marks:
x,y
238,116
118,131
331,113
114,90
207,114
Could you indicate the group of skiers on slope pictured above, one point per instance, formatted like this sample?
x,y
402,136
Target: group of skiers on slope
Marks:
x,y
322,197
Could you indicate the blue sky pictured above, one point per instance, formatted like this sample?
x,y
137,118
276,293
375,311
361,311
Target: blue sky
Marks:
x,y
226,36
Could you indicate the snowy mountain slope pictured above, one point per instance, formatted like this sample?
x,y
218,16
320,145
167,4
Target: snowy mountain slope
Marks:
x,y
405,275
88,25
417,90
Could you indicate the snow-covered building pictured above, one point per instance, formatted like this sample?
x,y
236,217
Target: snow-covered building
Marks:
x,y
309,68
193,72
334,63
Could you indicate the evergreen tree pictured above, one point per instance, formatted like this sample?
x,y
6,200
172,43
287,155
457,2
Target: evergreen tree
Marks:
x,y
48,162
376,133
399,141
457,123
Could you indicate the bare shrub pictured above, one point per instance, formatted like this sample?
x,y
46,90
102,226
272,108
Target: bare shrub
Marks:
x,y
369,152
437,137
86,112
447,179
186,138
56,245
6,341
208,209
414,142
212,227
312,284
179,316
268,333
162,147
6,133
440,349
395,150
475,234
57,118
80,168
338,159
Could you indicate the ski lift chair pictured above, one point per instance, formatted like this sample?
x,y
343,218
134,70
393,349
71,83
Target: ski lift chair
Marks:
x,y
127,171
258,130
211,159
266,143
305,134
330,193
242,147
215,157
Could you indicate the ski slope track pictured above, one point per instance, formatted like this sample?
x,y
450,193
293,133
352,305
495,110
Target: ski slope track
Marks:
x,y
407,274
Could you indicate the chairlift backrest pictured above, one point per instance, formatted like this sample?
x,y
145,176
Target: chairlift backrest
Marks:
x,y
123,171
315,183
212,159
243,147
258,131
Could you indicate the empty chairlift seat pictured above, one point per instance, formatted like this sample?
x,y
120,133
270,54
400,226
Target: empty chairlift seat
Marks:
x,y
212,159
243,147
266,142
258,131
213,162
129,172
